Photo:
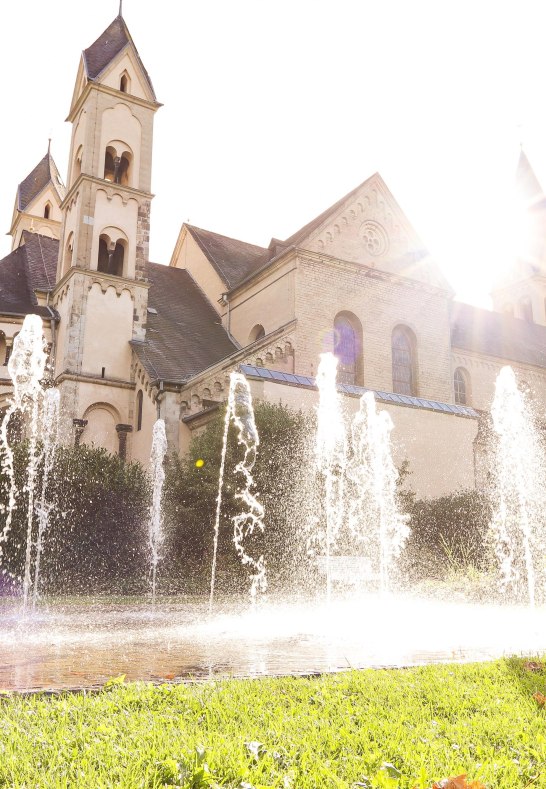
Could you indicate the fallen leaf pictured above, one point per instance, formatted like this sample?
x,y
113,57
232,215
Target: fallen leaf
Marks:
x,y
169,676
540,698
458,782
533,665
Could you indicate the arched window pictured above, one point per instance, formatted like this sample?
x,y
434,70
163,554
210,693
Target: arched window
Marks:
x,y
348,348
526,309
139,400
68,252
404,361
47,210
102,264
78,163
116,168
256,333
124,83
461,386
111,257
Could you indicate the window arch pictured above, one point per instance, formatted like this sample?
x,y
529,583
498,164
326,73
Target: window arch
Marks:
x,y
348,348
68,252
461,386
139,403
112,254
117,166
47,210
78,163
256,333
404,359
125,83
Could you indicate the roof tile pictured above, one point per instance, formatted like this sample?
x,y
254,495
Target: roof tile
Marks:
x,y
186,335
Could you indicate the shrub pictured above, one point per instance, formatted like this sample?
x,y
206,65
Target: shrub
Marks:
x,y
96,534
450,533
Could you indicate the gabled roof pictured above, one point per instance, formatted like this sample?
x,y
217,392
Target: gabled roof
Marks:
x,y
107,46
497,334
233,260
185,335
30,267
44,173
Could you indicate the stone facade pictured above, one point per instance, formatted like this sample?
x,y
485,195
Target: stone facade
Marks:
x,y
125,352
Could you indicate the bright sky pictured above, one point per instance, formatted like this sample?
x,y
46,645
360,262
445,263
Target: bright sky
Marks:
x,y
275,109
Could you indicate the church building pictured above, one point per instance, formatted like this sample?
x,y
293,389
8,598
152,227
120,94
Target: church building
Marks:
x,y
132,340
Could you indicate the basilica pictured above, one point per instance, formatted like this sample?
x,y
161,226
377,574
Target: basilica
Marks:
x,y
132,340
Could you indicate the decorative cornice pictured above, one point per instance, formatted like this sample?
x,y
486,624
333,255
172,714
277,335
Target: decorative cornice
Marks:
x,y
93,379
129,191
104,280
118,94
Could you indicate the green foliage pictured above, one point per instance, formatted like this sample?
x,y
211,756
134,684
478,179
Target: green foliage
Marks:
x,y
96,537
448,535
191,492
394,729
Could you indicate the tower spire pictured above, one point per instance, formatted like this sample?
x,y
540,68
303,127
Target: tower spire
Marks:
x,y
120,8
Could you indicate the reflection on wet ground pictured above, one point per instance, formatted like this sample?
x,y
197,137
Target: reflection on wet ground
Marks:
x,y
81,643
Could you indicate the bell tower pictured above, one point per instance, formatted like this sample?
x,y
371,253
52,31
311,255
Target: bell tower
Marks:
x,y
101,291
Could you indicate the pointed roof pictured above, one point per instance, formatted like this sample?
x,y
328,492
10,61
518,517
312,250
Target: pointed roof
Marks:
x,y
527,184
44,173
28,268
107,46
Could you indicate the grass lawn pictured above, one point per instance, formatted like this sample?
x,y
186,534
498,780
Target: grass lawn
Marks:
x,y
389,728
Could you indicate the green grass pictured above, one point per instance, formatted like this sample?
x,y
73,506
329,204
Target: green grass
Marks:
x,y
331,731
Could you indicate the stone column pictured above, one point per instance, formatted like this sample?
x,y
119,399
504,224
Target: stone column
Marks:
x,y
79,427
122,431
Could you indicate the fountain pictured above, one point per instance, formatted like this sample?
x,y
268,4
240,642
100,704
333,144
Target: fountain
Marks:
x,y
374,516
519,522
359,486
240,412
155,524
330,455
81,641
26,367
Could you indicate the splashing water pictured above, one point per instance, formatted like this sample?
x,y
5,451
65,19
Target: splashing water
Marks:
x,y
374,517
50,441
330,455
155,524
26,367
519,515
240,412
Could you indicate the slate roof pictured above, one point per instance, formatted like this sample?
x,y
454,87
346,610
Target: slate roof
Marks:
x,y
496,334
186,335
45,172
107,46
30,266
233,260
